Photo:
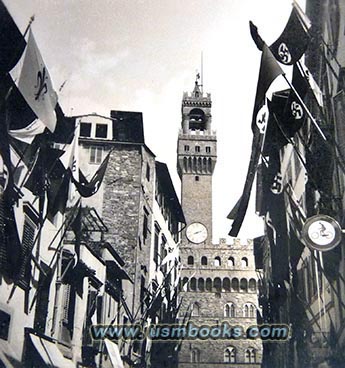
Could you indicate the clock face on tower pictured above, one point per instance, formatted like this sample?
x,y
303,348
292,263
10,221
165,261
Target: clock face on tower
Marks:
x,y
196,232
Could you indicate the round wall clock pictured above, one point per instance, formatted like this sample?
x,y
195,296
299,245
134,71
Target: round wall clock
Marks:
x,y
196,232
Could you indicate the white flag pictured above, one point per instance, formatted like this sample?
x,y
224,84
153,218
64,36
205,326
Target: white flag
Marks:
x,y
36,86
28,133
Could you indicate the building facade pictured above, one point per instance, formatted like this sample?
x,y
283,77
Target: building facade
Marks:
x,y
304,287
218,281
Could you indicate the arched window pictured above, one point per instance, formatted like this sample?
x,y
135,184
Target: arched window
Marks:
x,y
252,285
244,285
244,262
208,284
184,285
230,355
217,262
250,355
229,310
204,261
193,284
231,262
249,310
201,284
226,284
190,260
217,285
252,311
195,356
235,284
195,310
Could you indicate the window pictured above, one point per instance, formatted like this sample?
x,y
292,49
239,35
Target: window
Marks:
x,y
195,356
217,262
244,262
208,284
204,261
190,260
250,355
95,155
244,285
208,149
145,224
201,284
101,130
27,245
252,285
226,284
85,129
147,172
230,355
192,285
197,148
234,284
5,319
231,262
186,148
217,285
156,244
197,178
195,310
249,310
229,310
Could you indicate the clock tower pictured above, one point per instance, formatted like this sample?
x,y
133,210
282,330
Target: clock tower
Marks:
x,y
218,281
196,159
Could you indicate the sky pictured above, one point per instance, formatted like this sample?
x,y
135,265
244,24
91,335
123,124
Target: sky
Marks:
x,y
141,55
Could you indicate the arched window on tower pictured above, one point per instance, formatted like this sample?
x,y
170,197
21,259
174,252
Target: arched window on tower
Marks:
x,y
235,284
190,260
250,355
197,120
252,285
217,285
204,261
195,310
193,284
201,284
244,285
208,284
249,310
230,355
244,262
226,284
217,261
231,262
229,310
195,356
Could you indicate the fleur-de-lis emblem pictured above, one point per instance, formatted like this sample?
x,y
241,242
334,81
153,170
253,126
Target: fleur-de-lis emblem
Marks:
x,y
41,86
296,110
284,53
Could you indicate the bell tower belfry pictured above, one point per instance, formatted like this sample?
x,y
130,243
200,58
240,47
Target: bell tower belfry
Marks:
x,y
196,160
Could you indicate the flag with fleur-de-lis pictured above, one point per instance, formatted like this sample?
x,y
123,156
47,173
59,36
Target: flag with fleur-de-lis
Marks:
x,y
36,86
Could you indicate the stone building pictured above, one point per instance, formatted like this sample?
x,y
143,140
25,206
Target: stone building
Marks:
x,y
218,281
140,208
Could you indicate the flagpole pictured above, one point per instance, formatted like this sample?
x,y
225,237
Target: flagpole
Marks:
x,y
340,159
32,18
